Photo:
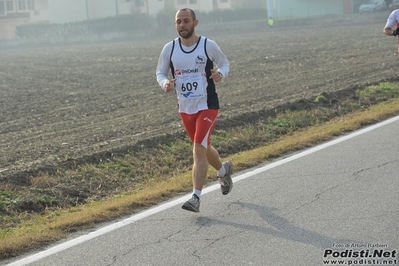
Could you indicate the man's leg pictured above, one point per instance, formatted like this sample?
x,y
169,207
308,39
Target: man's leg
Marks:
x,y
224,170
213,157
199,173
200,167
198,135
203,129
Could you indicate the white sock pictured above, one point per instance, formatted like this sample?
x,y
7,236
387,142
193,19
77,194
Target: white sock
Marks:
x,y
197,192
222,171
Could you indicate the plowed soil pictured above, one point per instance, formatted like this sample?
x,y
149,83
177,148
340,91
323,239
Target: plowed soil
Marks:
x,y
89,101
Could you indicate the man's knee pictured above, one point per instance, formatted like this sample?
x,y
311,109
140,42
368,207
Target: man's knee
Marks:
x,y
199,150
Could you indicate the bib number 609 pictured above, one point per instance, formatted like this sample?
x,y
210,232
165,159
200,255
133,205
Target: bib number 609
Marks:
x,y
189,86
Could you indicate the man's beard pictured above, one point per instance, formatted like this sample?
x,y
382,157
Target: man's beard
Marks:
x,y
188,35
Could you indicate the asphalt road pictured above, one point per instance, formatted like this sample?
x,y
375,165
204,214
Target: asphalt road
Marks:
x,y
335,202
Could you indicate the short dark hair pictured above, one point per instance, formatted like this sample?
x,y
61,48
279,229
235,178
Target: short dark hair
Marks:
x,y
191,11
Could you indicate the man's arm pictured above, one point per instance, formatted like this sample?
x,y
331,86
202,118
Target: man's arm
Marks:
x,y
217,56
390,28
163,66
389,32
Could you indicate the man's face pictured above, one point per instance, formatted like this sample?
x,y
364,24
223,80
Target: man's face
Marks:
x,y
185,24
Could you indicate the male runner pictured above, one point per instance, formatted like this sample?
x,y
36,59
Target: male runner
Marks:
x,y
190,59
392,26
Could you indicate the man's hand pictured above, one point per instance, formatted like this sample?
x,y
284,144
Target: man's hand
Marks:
x,y
216,76
169,85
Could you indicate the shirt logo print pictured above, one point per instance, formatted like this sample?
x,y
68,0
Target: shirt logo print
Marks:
x,y
208,119
200,60
187,94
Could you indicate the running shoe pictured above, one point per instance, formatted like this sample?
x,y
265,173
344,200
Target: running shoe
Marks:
x,y
227,184
192,204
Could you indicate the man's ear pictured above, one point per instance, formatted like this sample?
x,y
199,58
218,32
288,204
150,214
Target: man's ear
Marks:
x,y
196,22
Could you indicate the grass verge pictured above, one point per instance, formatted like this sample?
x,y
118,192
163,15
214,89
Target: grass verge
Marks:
x,y
164,172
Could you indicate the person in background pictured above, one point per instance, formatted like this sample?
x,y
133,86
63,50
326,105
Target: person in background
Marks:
x,y
271,22
190,59
392,26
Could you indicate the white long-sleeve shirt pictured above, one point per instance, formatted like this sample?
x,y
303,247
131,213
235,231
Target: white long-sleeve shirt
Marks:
x,y
191,67
393,20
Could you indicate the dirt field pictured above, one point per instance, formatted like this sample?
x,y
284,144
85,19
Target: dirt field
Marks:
x,y
88,101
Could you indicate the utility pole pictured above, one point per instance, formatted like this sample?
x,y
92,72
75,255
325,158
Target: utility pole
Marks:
x,y
87,11
270,8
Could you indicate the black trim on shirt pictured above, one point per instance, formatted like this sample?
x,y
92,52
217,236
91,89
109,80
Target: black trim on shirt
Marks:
x,y
199,39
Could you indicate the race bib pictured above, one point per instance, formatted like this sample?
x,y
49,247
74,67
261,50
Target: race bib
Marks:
x,y
190,86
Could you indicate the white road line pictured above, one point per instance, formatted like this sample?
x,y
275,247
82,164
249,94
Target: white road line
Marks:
x,y
151,211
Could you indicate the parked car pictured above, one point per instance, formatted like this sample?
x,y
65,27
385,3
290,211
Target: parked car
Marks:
x,y
372,6
394,5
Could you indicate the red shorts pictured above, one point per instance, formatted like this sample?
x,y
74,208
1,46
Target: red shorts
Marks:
x,y
199,126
